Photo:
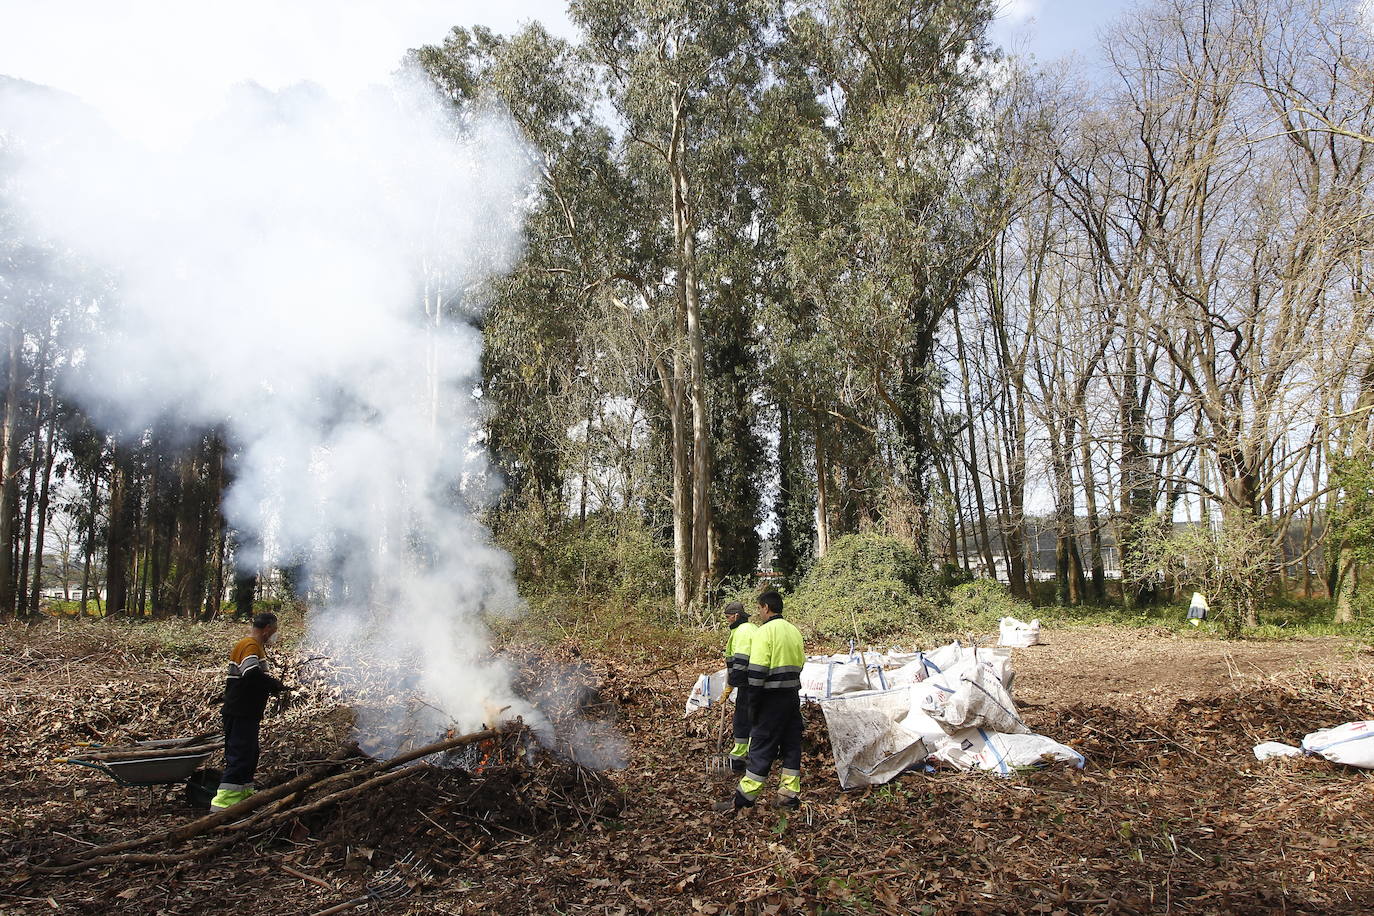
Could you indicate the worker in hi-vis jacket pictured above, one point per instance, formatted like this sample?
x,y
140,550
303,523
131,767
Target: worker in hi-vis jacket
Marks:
x,y
776,657
737,677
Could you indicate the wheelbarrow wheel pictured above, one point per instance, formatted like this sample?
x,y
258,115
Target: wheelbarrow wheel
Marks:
x,y
201,787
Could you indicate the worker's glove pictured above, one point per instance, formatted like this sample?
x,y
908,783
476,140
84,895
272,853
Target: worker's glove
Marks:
x,y
282,701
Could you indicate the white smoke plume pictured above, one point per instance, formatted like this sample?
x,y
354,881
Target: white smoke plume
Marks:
x,y
289,271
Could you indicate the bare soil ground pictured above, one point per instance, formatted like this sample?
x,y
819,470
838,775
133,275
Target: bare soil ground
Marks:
x,y
1154,667
1172,813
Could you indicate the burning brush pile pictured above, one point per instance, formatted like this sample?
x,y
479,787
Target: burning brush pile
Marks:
x,y
408,804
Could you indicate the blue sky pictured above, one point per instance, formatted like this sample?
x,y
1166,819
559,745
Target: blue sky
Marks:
x,y
1050,29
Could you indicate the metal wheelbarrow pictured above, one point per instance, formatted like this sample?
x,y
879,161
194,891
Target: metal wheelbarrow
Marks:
x,y
152,763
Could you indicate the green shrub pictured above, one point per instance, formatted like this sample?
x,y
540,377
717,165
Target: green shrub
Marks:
x,y
614,556
952,575
1362,604
867,585
982,603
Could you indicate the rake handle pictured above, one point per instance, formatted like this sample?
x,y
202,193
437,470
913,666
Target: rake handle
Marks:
x,y
390,890
346,905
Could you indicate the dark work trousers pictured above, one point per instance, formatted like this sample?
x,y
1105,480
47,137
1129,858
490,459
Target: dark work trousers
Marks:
x,y
777,731
744,721
240,749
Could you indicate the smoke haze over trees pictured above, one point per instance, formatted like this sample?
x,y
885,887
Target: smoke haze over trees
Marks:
x,y
785,277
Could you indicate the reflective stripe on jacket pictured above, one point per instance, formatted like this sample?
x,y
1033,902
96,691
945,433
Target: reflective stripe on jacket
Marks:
x,y
247,685
737,654
776,656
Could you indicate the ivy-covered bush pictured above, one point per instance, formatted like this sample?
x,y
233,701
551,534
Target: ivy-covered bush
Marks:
x,y
612,557
869,585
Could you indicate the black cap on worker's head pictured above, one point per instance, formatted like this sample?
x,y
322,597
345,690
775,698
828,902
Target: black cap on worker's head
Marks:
x,y
735,607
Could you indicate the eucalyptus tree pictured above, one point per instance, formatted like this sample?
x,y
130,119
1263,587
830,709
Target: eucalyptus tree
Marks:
x,y
535,369
893,212
679,75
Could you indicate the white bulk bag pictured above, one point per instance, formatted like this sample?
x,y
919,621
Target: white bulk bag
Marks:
x,y
829,676
896,658
945,657
869,746
1351,744
978,700
950,659
974,691
707,691
912,672
1019,634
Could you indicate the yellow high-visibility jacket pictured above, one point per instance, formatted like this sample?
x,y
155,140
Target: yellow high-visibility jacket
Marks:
x,y
737,654
776,656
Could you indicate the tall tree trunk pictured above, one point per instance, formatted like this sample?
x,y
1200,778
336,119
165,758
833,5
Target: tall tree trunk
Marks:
x,y
245,574
190,541
117,550
1015,530
696,347
1137,493
9,467
1357,435
214,593
822,488
913,430
795,506
1098,590
586,463
50,453
1012,419
93,507
35,462
1063,523
975,477
671,380
153,533
1068,560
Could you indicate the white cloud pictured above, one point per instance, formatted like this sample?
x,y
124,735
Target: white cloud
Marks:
x,y
1016,12
151,66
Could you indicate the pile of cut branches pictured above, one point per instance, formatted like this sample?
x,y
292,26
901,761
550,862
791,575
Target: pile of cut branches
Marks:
x,y
272,809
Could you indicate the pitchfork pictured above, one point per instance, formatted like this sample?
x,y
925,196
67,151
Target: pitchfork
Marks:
x,y
390,884
720,762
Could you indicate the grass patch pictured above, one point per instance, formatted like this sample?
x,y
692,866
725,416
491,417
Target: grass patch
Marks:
x,y
168,637
636,633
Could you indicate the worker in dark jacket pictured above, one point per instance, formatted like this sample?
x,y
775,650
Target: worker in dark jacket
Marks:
x,y
246,690
776,657
737,666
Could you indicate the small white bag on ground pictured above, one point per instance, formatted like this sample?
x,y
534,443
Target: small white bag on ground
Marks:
x,y
1276,749
978,748
869,746
707,691
1019,634
1351,744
